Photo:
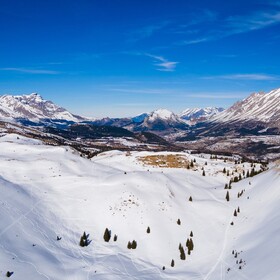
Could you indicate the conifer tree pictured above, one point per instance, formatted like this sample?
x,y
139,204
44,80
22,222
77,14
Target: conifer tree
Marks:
x,y
107,235
190,199
115,238
224,170
148,230
84,240
129,245
203,173
227,196
179,222
133,244
252,173
235,213
172,263
9,274
191,234
191,246
182,253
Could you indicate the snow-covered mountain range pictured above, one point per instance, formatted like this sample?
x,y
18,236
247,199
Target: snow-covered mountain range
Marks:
x,y
264,107
33,107
200,114
258,112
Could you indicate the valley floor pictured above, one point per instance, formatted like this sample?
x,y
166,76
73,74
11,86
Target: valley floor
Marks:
x,y
49,192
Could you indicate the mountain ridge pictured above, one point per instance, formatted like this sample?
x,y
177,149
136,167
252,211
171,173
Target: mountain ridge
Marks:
x,y
33,107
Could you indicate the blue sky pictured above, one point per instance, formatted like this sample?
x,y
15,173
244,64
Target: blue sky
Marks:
x,y
123,57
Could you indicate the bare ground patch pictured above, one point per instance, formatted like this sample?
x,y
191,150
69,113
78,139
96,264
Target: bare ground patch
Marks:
x,y
167,161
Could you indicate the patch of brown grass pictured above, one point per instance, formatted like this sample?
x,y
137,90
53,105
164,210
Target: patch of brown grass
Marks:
x,y
167,161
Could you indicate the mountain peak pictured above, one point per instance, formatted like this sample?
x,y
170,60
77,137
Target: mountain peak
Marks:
x,y
200,114
33,107
163,114
258,106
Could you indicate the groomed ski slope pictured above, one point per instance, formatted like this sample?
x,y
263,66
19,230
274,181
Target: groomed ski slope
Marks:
x,y
48,191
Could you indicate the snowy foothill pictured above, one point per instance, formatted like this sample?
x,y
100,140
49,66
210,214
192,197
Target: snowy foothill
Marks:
x,y
50,195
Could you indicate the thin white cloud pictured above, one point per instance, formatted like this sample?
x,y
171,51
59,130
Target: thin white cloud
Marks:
x,y
146,31
236,25
253,77
195,41
30,71
242,24
163,64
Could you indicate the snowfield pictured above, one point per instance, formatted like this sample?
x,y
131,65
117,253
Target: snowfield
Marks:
x,y
49,192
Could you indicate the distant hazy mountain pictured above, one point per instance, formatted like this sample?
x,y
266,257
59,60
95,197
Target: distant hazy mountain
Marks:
x,y
140,118
33,107
200,114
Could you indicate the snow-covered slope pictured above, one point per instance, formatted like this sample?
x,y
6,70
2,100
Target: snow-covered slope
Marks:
x,y
51,191
33,107
200,114
264,107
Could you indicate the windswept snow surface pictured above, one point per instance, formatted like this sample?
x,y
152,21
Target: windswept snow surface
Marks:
x,y
49,191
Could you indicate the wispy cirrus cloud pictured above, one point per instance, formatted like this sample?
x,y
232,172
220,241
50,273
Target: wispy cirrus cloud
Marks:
x,y
30,71
237,24
253,77
255,21
146,31
162,63
194,41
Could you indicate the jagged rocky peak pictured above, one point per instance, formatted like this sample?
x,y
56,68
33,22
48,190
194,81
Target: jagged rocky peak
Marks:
x,y
33,107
